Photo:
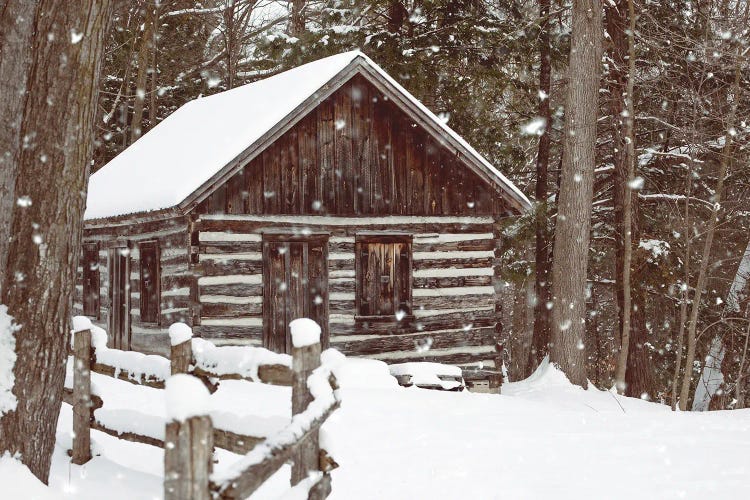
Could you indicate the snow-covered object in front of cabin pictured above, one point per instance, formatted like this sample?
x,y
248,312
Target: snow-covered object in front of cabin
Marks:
x,y
305,332
428,374
190,146
8,328
179,333
358,372
186,396
17,481
241,360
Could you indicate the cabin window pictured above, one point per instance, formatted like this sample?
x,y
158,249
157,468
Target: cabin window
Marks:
x,y
90,265
383,274
149,255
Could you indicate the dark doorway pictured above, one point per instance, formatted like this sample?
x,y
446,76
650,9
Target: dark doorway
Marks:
x,y
295,285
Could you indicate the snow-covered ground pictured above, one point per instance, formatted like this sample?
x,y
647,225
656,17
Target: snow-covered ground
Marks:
x,y
542,438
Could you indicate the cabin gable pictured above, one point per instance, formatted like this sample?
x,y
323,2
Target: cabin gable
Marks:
x,y
356,153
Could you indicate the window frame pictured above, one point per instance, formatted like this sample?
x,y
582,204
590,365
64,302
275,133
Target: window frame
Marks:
x,y
157,290
369,237
85,264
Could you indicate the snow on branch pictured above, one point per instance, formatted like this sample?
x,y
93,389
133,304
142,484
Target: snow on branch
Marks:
x,y
672,197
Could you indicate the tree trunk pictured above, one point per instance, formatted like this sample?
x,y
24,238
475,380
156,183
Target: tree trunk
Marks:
x,y
297,18
144,57
16,32
728,370
708,243
572,233
685,292
58,116
634,375
541,338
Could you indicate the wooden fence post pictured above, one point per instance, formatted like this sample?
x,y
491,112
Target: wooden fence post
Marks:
x,y
305,359
188,443
181,348
82,397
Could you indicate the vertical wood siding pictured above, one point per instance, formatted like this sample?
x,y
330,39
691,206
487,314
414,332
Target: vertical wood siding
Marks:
x,y
355,154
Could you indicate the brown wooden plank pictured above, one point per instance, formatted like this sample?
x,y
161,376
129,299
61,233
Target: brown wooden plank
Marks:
x,y
225,267
343,161
423,341
233,289
228,310
123,374
326,145
229,332
256,225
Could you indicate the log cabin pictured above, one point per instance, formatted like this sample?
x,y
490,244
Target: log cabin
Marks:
x,y
326,191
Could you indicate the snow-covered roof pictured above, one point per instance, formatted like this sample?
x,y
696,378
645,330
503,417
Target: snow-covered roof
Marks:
x,y
193,145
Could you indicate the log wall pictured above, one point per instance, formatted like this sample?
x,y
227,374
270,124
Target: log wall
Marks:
x,y
176,277
454,300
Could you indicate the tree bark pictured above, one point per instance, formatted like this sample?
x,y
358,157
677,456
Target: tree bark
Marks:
x,y
708,243
634,376
297,18
572,233
144,57
685,292
57,120
541,338
16,32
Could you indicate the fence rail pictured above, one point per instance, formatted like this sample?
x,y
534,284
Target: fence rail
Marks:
x,y
188,452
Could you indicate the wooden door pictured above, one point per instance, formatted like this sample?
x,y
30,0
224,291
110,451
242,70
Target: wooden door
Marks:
x,y
295,285
119,298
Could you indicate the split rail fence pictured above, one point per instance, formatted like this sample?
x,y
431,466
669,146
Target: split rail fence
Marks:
x,y
189,443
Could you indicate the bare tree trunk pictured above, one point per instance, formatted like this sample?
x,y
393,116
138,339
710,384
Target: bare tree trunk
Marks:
x,y
707,245
541,338
16,30
58,116
685,293
572,233
627,218
144,57
297,17
710,393
521,338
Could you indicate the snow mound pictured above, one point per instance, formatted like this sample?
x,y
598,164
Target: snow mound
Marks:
x,y
7,360
242,360
363,373
19,482
305,332
429,374
186,397
179,333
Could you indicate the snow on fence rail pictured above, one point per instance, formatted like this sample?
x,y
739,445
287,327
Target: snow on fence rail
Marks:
x,y
189,433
